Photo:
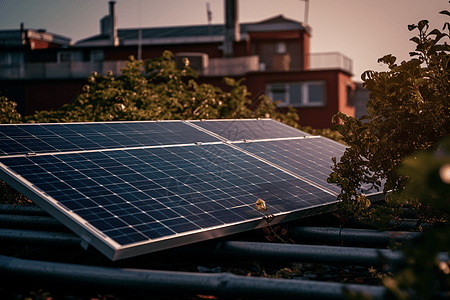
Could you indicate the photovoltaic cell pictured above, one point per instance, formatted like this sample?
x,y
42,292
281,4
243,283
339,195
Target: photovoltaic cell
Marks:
x,y
129,188
251,129
309,158
44,138
127,197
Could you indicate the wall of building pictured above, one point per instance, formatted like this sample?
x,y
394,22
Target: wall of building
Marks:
x,y
37,95
316,117
344,81
38,44
154,51
361,97
264,44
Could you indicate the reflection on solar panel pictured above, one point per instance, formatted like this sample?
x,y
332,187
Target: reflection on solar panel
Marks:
x,y
308,157
130,188
250,129
44,138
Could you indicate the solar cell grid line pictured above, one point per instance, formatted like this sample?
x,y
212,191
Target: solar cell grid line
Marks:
x,y
19,139
248,129
309,158
133,201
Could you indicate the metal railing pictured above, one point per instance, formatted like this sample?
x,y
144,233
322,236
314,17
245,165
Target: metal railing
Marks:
x,y
237,66
330,60
58,70
231,66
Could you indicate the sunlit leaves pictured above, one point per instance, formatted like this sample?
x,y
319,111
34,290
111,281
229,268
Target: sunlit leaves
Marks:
x,y
404,141
155,90
8,113
408,110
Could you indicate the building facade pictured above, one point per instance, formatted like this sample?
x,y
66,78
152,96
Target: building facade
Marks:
x,y
273,55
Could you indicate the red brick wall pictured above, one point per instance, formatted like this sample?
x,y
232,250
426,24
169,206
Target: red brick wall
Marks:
x,y
36,95
316,117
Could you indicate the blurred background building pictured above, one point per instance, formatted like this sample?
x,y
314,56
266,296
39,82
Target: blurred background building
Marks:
x,y
43,71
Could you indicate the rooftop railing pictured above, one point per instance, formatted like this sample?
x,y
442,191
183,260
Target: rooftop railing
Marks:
x,y
60,70
330,60
237,66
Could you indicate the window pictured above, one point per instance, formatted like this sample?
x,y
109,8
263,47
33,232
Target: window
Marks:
x,y
97,55
12,58
281,47
298,94
350,95
67,56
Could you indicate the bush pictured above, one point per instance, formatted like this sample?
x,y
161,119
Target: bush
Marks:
x,y
404,141
157,90
8,113
408,110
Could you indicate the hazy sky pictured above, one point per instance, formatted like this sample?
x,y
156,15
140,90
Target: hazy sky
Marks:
x,y
363,30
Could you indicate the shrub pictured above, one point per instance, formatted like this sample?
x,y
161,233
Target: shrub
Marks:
x,y
157,90
408,110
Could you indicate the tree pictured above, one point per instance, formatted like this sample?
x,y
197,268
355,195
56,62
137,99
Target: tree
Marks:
x,y
157,90
404,141
408,110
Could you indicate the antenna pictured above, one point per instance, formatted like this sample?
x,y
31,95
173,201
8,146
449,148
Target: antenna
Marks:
x,y
139,32
209,15
306,11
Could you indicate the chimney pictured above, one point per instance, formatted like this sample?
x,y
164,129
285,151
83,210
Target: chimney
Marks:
x,y
23,34
113,31
232,29
108,25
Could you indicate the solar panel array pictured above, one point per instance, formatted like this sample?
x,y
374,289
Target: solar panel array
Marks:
x,y
129,188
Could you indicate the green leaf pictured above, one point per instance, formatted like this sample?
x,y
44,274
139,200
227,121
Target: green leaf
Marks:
x,y
445,12
412,27
422,24
446,25
415,40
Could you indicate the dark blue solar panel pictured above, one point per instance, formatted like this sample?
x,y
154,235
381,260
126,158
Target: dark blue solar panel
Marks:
x,y
44,138
144,194
130,188
238,130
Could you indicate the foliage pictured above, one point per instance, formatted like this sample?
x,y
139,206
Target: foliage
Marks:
x,y
8,113
157,90
8,195
404,141
428,173
408,110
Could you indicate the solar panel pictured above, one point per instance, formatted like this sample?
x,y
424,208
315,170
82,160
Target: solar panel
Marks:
x,y
183,186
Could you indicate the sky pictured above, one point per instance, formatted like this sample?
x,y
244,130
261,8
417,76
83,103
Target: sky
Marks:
x,y
363,30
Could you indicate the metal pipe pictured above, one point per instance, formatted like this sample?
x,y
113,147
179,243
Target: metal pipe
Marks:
x,y
22,210
39,237
264,251
299,253
349,235
403,225
222,285
30,221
